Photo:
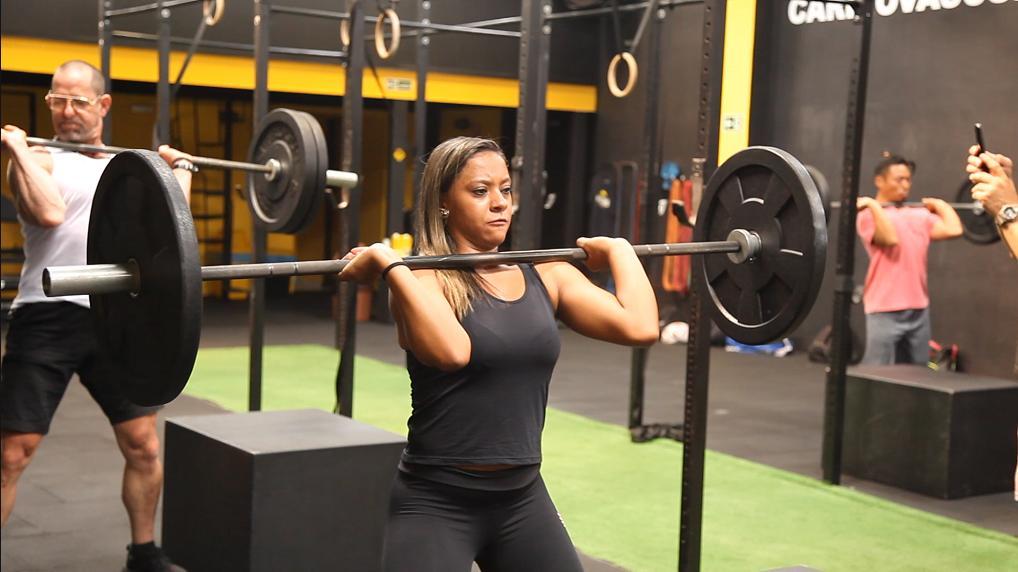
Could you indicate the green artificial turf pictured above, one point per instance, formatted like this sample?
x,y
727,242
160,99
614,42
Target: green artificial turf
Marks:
x,y
620,500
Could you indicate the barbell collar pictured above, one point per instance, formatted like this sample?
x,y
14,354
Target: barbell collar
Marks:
x,y
274,168
749,245
113,278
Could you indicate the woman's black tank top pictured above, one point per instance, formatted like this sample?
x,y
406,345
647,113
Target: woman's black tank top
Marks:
x,y
491,411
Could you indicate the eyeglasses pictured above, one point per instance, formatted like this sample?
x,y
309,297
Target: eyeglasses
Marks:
x,y
58,101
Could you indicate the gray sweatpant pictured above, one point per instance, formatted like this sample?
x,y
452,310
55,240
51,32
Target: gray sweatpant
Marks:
x,y
898,337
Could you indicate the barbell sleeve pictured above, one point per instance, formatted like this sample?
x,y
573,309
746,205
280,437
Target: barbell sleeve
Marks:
x,y
91,279
112,278
343,179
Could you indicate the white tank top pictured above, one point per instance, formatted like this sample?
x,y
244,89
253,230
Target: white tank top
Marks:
x,y
63,245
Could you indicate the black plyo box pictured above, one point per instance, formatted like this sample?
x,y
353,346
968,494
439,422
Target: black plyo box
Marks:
x,y
279,490
939,433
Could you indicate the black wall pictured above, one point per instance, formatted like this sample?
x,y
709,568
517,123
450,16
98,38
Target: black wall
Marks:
x,y
620,121
932,74
574,43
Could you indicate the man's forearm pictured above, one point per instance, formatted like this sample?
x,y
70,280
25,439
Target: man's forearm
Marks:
x,y
36,194
884,233
950,218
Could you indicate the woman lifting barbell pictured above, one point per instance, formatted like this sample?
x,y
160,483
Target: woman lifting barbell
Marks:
x,y
481,346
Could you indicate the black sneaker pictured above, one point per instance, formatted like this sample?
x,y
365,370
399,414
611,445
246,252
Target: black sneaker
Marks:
x,y
153,559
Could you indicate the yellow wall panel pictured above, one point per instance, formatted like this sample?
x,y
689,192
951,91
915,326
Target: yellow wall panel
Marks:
x,y
34,55
737,79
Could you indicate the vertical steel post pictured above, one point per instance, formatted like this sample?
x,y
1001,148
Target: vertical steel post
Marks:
x,y
227,254
841,338
105,45
398,144
163,88
694,425
421,104
647,191
579,146
397,166
353,122
259,238
531,124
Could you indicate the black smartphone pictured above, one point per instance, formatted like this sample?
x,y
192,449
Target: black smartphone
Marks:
x,y
979,138
980,143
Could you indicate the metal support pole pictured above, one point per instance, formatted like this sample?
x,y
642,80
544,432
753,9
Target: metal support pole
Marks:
x,y
694,423
579,146
259,238
353,121
397,166
162,136
398,145
421,104
531,123
227,254
647,193
105,44
637,382
834,392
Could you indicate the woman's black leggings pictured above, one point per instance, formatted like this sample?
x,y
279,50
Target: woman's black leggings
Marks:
x,y
444,528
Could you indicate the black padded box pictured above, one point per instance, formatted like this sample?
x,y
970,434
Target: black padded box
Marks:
x,y
939,433
278,490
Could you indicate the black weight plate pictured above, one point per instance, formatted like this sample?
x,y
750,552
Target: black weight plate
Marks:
x,y
314,153
978,228
766,191
823,188
319,147
281,205
139,214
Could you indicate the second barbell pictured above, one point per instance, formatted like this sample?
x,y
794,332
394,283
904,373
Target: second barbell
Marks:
x,y
287,162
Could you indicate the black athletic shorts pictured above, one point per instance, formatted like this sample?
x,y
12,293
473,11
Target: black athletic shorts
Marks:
x,y
48,342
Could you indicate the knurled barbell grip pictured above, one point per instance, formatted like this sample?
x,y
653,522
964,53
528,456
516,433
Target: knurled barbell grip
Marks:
x,y
333,178
112,278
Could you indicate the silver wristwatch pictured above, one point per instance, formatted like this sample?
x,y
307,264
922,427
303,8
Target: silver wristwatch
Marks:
x,y
1007,214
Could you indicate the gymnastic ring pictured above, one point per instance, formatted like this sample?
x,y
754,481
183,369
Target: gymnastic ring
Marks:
x,y
344,33
613,85
380,47
213,10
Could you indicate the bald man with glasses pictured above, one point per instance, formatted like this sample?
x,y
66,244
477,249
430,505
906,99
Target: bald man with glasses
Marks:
x,y
50,339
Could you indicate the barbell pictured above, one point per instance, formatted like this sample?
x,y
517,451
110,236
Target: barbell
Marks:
x,y
761,209
975,206
288,149
977,225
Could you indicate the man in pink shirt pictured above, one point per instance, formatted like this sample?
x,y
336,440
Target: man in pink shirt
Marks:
x,y
897,238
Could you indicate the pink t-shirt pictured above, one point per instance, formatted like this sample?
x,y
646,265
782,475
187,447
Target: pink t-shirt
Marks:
x,y
896,278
